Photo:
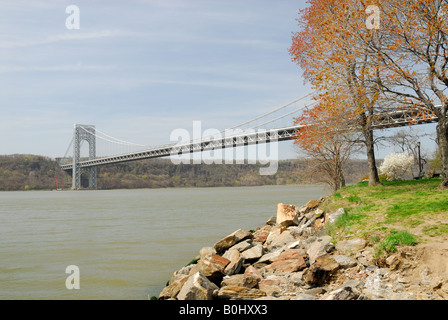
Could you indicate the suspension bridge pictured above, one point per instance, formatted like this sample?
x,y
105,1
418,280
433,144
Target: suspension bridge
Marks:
x,y
274,126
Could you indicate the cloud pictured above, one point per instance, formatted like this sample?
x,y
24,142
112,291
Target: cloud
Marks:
x,y
56,68
61,37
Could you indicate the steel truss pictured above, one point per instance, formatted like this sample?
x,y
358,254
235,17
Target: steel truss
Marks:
x,y
380,121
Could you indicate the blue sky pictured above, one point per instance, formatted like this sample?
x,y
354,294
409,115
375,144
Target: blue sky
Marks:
x,y
140,69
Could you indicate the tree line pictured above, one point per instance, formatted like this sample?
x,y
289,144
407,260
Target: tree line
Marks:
x,y
32,172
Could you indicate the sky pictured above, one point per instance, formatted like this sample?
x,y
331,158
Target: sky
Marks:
x,y
139,69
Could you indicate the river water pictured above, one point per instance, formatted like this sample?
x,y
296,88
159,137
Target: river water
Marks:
x,y
125,243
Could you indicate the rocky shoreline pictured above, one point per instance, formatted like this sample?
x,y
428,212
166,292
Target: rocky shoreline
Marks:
x,y
292,258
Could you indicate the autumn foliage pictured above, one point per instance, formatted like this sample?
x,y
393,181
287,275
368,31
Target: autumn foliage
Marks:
x,y
402,63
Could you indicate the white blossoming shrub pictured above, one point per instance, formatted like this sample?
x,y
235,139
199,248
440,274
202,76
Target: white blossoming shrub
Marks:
x,y
396,165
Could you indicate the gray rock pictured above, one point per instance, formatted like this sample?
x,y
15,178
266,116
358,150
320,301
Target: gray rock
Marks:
x,y
243,245
279,238
268,257
253,253
345,261
375,285
296,278
344,293
318,248
304,296
295,231
316,291
350,246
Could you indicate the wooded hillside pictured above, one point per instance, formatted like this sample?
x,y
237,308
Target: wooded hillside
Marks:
x,y
31,172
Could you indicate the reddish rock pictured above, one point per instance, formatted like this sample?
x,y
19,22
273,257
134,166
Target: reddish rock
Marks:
x,y
251,270
293,265
216,259
272,285
212,267
291,260
261,235
291,254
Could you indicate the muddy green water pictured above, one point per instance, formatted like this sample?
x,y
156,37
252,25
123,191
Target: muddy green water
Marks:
x,y
126,243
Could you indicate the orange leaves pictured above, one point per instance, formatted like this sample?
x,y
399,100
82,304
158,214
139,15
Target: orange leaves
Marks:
x,y
323,124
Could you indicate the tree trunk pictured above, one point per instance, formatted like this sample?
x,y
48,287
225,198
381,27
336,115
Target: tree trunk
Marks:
x,y
374,179
442,137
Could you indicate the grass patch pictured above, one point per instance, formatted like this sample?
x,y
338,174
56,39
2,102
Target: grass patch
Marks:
x,y
337,195
354,199
343,225
372,212
390,243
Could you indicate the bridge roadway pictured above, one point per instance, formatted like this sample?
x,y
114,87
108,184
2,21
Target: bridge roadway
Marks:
x,y
383,120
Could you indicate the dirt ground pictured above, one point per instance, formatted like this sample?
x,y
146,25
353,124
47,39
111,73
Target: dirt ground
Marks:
x,y
424,270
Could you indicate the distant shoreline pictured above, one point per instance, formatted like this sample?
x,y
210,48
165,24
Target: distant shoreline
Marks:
x,y
31,172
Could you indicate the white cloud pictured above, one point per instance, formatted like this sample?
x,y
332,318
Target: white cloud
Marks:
x,y
69,36
62,68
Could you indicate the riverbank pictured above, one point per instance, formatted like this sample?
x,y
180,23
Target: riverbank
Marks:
x,y
364,243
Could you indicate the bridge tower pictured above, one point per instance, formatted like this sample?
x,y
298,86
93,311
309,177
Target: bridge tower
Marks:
x,y
80,133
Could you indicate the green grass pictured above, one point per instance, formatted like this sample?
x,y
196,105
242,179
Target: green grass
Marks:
x,y
395,213
390,243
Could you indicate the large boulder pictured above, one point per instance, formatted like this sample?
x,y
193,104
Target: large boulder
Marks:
x,y
286,215
291,260
231,240
279,237
319,247
197,287
322,269
253,253
212,267
236,261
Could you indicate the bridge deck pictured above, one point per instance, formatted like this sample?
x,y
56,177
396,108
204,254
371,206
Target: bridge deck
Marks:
x,y
385,120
